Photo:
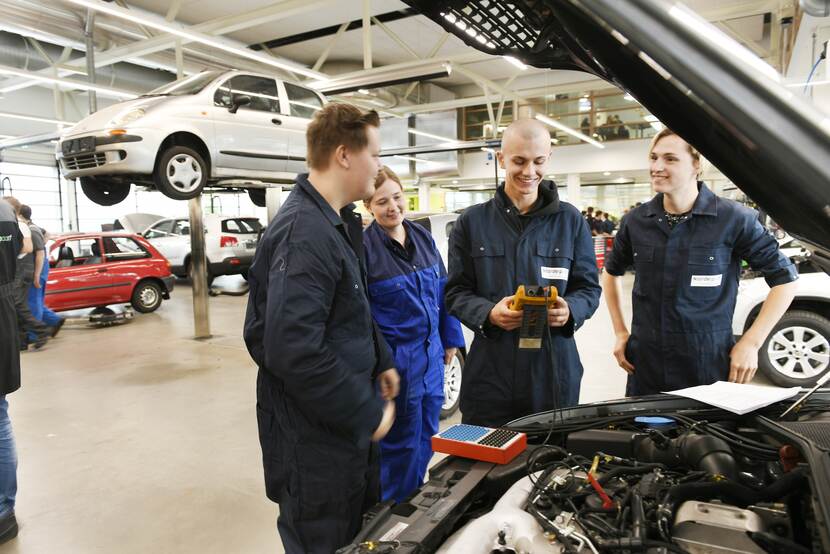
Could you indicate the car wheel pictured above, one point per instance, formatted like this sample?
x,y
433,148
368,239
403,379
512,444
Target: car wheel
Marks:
x,y
181,173
104,193
146,297
452,385
257,196
210,276
797,351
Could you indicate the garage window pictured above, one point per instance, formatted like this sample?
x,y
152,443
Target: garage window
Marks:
x,y
303,102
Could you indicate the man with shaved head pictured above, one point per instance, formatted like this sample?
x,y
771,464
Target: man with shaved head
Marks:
x,y
522,236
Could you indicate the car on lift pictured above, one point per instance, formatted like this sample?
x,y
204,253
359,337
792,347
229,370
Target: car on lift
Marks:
x,y
232,129
660,473
94,270
230,243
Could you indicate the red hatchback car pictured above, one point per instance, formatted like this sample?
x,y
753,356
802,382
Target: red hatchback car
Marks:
x,y
90,270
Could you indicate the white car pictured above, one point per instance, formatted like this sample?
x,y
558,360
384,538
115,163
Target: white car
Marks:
x,y
797,351
213,128
440,225
230,243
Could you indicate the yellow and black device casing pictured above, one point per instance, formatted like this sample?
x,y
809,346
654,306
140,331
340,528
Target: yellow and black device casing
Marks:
x,y
533,301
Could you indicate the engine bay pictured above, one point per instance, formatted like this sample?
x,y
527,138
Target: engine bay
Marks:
x,y
655,481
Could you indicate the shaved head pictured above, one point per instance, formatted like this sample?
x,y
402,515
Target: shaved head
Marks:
x,y
525,130
525,149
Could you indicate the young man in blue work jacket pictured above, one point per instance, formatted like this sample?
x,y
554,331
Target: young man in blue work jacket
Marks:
x,y
686,246
523,236
321,358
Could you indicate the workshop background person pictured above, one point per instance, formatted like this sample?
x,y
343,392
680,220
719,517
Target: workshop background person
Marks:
x,y
406,291
37,291
522,236
25,277
11,242
310,330
686,246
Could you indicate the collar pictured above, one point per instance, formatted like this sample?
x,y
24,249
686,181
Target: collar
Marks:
x,y
706,203
546,203
332,216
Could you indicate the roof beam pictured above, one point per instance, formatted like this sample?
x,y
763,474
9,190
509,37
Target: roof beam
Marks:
x,y
165,41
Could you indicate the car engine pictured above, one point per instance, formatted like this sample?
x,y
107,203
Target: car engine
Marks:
x,y
684,481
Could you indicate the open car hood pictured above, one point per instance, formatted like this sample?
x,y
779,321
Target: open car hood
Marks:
x,y
718,96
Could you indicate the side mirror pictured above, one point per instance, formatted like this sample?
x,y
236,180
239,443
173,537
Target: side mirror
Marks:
x,y
239,100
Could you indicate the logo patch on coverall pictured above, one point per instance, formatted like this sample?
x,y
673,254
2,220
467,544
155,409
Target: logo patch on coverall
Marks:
x,y
707,280
560,273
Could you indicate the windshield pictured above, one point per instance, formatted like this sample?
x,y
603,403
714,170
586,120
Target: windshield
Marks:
x,y
192,85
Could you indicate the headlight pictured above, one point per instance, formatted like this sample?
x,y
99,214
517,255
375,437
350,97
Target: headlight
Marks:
x,y
127,117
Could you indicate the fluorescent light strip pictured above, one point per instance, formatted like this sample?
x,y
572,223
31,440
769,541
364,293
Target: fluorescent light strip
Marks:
x,y
810,84
34,118
565,129
161,25
515,62
5,70
414,159
430,135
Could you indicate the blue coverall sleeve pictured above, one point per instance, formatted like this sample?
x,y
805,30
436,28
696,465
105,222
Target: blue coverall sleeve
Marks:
x,y
461,298
301,289
448,326
760,249
621,255
583,283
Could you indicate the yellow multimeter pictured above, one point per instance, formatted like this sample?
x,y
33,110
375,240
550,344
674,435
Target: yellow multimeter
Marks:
x,y
533,301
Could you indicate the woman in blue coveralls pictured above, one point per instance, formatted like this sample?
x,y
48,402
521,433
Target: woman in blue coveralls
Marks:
x,y
406,293
686,246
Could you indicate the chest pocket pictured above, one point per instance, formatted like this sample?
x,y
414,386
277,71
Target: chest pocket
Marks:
x,y
490,270
644,277
349,314
554,261
706,274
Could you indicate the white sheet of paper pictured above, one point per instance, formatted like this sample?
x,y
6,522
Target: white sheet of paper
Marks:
x,y
736,398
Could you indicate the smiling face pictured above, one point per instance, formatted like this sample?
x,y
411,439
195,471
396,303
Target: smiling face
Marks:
x,y
388,204
673,168
523,156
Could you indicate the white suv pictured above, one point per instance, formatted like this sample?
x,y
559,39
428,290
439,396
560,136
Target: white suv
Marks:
x,y
213,128
230,243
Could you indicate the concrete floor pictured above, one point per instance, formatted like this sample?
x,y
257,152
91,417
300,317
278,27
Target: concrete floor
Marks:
x,y
137,438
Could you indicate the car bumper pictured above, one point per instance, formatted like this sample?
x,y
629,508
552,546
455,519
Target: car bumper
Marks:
x,y
130,154
232,265
169,282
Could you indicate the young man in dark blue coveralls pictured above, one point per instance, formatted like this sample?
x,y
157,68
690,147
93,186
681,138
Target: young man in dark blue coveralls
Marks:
x,y
523,236
686,246
321,358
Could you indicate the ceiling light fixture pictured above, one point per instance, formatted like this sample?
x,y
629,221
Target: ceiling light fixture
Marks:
x,y
381,78
430,135
161,24
414,159
565,129
6,70
515,62
34,118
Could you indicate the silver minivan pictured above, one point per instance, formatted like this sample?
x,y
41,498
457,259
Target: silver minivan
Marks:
x,y
212,128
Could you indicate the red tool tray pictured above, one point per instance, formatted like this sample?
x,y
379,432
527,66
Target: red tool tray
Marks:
x,y
480,443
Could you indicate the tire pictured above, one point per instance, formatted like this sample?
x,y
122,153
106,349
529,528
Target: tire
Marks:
x,y
257,196
103,192
181,173
797,351
210,276
146,297
452,385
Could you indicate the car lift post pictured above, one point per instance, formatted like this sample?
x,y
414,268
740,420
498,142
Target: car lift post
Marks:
x,y
273,199
198,270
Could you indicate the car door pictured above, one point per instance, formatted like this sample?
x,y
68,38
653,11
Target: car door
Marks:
x,y
253,139
299,106
123,260
161,236
80,280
